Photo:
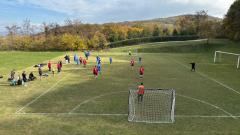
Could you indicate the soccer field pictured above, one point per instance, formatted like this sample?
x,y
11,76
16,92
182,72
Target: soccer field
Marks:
x,y
74,102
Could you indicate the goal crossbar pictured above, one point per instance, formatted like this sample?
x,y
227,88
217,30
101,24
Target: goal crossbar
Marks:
x,y
229,53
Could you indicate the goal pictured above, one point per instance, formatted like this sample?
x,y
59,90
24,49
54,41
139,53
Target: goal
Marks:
x,y
218,56
157,106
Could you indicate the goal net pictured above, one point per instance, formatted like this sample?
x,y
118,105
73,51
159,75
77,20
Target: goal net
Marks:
x,y
157,106
227,57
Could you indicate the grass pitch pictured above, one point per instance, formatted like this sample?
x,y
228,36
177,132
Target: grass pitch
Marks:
x,y
74,102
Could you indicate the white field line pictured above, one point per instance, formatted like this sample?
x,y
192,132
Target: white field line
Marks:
x,y
229,115
93,98
45,92
120,114
204,102
194,99
203,75
77,114
205,116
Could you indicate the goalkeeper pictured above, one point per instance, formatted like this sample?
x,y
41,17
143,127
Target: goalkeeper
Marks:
x,y
140,92
193,64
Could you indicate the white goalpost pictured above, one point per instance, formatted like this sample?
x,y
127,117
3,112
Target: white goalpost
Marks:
x,y
157,106
227,53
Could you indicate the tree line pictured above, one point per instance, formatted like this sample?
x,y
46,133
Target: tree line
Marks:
x,y
75,35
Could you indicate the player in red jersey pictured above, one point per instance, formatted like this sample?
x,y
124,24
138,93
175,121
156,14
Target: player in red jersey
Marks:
x,y
95,71
49,66
84,62
140,92
141,71
132,63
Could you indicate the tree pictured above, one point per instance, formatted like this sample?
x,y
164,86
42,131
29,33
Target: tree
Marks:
x,y
99,41
175,32
12,33
232,21
134,32
45,29
156,31
165,31
200,18
185,25
26,27
146,32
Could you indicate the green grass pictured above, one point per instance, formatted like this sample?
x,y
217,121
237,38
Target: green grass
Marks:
x,y
166,66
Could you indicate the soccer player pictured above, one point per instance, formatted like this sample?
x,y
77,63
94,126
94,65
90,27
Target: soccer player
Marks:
x,y
140,92
99,68
132,63
141,71
80,60
193,64
129,53
110,60
40,72
67,59
139,60
95,72
53,71
97,59
84,62
76,59
49,66
59,67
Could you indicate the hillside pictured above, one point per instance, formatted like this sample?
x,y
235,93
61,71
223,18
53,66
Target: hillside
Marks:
x,y
168,20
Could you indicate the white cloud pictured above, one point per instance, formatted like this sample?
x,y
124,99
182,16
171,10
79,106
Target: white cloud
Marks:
x,y
121,10
217,7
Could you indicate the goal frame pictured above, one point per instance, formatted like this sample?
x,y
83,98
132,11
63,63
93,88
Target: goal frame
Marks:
x,y
172,115
229,53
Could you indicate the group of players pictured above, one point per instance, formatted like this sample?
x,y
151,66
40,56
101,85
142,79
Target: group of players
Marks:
x,y
141,88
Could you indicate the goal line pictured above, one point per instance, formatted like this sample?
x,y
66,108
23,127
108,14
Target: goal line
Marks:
x,y
117,114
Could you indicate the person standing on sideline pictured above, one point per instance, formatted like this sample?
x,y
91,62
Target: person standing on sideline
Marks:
x,y
40,72
140,92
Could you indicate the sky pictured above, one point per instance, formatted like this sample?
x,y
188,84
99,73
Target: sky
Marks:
x,y
101,11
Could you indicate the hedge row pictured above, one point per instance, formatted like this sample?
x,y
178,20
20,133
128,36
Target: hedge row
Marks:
x,y
136,41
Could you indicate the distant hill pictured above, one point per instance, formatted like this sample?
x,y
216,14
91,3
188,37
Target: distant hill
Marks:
x,y
168,20
90,29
